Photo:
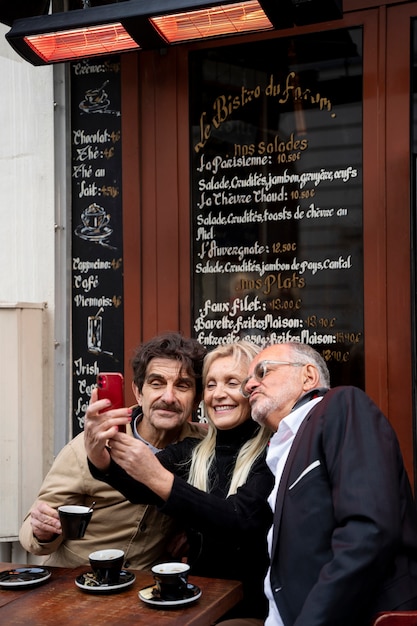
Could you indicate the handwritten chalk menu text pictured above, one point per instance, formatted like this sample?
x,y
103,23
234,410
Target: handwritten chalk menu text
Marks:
x,y
97,244
276,157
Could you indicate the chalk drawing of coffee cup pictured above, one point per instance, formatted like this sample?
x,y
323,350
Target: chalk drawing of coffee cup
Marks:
x,y
94,226
95,99
95,96
95,217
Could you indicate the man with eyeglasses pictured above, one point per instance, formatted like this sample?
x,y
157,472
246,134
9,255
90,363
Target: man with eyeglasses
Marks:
x,y
343,545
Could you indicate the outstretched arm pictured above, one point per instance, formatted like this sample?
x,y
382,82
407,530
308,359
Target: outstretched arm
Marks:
x,y
141,464
166,475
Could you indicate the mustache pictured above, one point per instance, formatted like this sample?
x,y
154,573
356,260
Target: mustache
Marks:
x,y
165,406
260,393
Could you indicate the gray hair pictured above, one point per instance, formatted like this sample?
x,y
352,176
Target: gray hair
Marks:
x,y
305,354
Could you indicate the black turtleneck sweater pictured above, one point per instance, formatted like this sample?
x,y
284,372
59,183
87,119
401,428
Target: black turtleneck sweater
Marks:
x,y
227,536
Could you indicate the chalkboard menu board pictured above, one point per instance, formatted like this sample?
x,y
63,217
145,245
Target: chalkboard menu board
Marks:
x,y
97,243
276,158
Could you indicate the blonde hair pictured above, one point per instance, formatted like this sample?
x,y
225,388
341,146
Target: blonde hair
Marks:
x,y
203,454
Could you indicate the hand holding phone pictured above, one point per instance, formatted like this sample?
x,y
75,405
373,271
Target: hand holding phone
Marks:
x,y
110,386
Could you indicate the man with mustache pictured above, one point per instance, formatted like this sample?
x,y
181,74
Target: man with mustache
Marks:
x,y
167,386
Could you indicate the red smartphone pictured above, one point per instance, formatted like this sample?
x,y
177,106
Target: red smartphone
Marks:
x,y
110,385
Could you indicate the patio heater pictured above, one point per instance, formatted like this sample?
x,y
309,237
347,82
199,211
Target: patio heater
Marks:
x,y
148,24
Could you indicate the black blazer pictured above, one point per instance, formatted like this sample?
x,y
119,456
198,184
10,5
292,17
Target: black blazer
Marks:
x,y
345,524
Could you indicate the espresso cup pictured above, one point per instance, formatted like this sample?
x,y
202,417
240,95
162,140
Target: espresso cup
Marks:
x,y
74,520
171,580
107,565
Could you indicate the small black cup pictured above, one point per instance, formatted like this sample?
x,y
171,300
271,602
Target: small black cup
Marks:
x,y
107,565
74,520
171,580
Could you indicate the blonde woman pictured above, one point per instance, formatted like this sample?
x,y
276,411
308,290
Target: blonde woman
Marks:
x,y
217,488
222,370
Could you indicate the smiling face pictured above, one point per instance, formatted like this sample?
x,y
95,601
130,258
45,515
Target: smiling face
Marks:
x,y
225,405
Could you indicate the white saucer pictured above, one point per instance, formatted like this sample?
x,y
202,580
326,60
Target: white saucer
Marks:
x,y
148,596
87,582
23,577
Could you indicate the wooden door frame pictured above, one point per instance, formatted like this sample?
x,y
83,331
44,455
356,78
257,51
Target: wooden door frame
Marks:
x,y
401,408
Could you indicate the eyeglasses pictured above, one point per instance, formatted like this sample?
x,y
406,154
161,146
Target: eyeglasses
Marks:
x,y
260,371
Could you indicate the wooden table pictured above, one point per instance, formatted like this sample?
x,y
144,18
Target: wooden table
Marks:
x,y
60,601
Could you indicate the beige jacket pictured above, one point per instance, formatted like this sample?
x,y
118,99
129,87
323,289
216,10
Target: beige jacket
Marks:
x,y
140,530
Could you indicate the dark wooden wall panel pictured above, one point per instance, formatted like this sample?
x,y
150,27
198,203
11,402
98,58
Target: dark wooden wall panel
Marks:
x,y
374,205
132,232
160,219
398,248
148,172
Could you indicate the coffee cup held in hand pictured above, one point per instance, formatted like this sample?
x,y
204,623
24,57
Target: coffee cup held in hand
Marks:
x,y
107,565
74,520
171,580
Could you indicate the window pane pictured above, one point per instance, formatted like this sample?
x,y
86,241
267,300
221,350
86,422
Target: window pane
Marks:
x,y
276,157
